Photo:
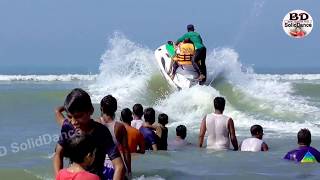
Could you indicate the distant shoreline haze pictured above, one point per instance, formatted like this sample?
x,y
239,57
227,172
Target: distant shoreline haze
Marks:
x,y
30,70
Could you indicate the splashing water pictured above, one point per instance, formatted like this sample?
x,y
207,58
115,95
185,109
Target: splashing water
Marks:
x,y
128,71
125,70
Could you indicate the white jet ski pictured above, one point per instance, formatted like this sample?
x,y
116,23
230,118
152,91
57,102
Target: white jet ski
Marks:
x,y
185,76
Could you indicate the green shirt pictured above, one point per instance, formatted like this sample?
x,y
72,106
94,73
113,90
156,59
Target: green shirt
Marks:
x,y
194,37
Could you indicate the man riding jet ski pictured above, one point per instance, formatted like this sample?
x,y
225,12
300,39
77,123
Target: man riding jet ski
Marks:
x,y
200,52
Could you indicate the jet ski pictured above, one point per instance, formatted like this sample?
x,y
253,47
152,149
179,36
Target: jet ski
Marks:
x,y
185,76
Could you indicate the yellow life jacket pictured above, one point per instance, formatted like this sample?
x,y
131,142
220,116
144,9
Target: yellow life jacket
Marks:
x,y
186,53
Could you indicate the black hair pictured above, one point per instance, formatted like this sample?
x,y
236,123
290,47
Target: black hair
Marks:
x,y
78,147
163,119
126,115
181,131
137,110
256,129
109,105
219,103
190,27
78,100
149,115
304,137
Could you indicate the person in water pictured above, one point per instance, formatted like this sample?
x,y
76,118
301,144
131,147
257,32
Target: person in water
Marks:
x,y
255,143
184,54
200,54
180,141
137,116
220,128
81,152
79,109
135,138
162,131
304,153
108,107
150,138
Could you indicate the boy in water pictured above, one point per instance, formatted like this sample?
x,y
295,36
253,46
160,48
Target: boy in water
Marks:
x,y
162,132
150,138
135,138
137,116
79,109
255,143
81,153
180,141
108,107
304,153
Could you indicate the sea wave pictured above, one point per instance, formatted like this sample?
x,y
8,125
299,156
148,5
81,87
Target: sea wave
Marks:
x,y
127,71
62,77
288,77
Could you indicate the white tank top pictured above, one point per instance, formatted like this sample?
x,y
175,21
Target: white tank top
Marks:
x,y
218,132
110,126
251,144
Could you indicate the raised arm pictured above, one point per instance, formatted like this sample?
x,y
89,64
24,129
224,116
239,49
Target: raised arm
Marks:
x,y
203,129
59,115
233,136
58,159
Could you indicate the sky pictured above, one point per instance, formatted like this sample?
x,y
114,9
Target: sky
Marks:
x,y
73,34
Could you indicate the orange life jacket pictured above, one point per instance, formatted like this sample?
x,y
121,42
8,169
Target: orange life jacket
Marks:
x,y
186,53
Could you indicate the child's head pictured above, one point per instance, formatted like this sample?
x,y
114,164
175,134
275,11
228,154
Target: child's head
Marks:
x,y
108,106
181,131
163,119
78,100
219,103
80,149
149,115
257,131
126,115
137,110
78,107
304,137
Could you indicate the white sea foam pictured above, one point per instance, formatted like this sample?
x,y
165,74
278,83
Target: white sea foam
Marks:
x,y
189,106
127,68
63,77
273,94
273,128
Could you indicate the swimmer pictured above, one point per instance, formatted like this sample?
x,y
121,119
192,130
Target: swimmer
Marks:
x,y
304,153
255,143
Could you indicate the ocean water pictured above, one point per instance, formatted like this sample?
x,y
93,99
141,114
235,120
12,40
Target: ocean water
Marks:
x,y
282,102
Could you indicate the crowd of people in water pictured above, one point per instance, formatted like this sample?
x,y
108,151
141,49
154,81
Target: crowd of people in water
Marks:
x,y
101,148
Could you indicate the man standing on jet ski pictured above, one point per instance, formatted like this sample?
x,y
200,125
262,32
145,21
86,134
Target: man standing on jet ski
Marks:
x,y
200,54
